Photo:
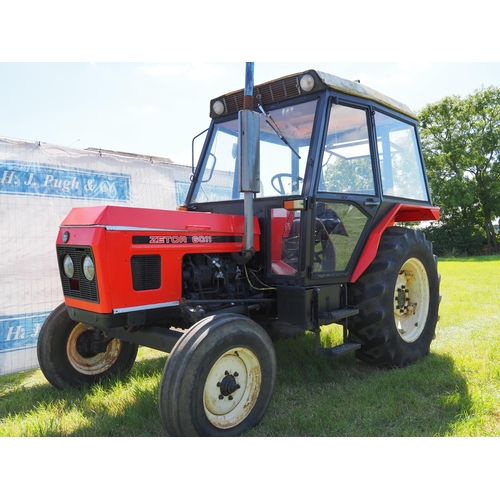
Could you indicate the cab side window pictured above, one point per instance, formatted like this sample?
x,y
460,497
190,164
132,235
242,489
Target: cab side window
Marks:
x,y
400,165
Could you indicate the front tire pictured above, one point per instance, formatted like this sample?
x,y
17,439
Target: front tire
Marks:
x,y
72,354
219,378
398,299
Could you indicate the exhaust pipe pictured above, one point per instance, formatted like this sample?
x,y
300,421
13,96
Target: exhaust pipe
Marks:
x,y
249,160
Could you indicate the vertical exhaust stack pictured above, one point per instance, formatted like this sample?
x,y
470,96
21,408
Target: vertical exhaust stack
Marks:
x,y
249,160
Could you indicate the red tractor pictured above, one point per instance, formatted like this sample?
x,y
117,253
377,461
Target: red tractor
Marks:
x,y
289,224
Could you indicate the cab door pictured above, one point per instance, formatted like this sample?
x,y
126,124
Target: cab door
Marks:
x,y
347,195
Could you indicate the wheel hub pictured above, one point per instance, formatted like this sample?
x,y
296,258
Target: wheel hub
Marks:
x,y
403,304
402,299
228,384
91,342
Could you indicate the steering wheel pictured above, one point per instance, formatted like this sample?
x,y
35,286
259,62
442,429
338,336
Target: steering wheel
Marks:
x,y
279,178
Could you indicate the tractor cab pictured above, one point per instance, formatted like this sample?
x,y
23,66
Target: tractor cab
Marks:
x,y
336,158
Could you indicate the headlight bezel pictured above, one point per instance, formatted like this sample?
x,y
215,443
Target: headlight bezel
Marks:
x,y
68,266
218,107
88,267
307,82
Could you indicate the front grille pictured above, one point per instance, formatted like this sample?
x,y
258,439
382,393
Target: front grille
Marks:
x,y
78,287
146,272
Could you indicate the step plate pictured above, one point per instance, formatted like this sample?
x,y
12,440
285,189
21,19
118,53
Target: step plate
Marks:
x,y
339,350
338,315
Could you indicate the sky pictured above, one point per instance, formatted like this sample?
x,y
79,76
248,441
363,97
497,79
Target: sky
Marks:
x,y
94,75
157,108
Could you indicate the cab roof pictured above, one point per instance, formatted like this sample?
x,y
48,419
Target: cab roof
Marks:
x,y
289,86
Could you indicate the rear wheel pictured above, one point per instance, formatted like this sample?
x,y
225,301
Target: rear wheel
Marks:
x,y
219,378
71,353
398,299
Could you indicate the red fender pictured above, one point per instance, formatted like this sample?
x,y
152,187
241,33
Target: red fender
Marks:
x,y
399,213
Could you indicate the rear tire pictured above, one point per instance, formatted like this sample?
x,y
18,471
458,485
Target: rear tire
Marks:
x,y
66,356
398,299
219,378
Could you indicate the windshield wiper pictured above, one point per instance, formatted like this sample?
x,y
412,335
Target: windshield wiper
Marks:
x,y
277,130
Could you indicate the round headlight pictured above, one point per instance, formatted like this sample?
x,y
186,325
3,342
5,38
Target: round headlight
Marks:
x,y
68,266
88,268
218,107
307,83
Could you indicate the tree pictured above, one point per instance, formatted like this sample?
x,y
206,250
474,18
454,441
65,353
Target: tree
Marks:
x,y
343,175
461,143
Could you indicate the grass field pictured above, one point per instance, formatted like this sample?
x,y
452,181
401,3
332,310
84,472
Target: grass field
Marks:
x,y
455,391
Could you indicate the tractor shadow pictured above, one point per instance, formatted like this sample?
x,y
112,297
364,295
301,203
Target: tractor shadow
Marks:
x,y
314,396
321,396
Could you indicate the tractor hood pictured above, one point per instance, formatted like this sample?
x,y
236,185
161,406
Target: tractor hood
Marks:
x,y
113,217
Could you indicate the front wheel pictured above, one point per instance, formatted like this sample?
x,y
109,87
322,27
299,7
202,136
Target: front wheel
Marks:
x,y
219,378
71,353
398,299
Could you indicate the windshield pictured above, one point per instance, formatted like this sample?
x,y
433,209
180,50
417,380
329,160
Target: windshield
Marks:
x,y
285,136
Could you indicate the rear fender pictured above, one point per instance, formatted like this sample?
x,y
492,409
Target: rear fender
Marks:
x,y
399,213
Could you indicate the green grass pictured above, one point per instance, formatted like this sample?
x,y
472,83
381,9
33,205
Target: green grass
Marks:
x,y
455,391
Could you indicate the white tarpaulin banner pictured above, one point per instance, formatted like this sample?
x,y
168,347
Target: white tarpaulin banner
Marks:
x,y
39,184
